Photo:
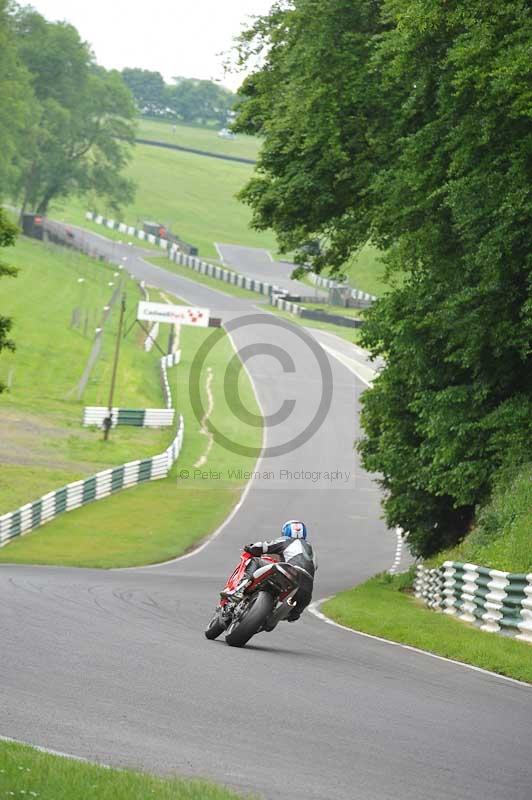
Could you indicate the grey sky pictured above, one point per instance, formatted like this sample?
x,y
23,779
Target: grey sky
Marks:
x,y
175,37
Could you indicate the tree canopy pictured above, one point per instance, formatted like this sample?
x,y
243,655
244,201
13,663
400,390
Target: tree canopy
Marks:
x,y
15,98
148,88
189,100
73,120
407,123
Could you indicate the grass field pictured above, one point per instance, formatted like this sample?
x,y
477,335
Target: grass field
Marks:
x,y
162,519
42,443
382,607
193,195
338,311
365,271
200,138
28,773
349,334
502,537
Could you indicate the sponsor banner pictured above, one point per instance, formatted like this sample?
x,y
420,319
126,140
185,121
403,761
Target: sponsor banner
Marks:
x,y
177,315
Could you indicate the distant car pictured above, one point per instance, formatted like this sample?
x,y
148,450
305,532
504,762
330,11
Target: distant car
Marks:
x,y
225,133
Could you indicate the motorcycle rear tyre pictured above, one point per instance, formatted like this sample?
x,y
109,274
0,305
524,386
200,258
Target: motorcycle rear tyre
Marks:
x,y
261,608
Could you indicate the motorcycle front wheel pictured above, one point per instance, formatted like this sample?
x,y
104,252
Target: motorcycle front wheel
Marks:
x,y
215,626
259,609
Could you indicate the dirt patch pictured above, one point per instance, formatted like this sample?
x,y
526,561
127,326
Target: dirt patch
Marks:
x,y
28,440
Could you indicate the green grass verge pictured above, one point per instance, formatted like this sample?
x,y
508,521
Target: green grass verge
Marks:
x,y
502,537
162,519
207,139
29,773
42,442
365,271
337,311
193,195
382,607
351,335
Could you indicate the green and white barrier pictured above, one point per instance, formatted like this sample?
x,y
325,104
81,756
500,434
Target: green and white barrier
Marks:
x,y
223,274
287,305
495,601
79,493
192,262
171,360
327,283
139,417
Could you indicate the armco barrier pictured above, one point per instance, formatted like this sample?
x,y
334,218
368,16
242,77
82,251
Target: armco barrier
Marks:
x,y
497,602
73,495
139,417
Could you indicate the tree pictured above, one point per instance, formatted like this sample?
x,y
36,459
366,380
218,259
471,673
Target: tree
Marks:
x,y
16,99
8,233
82,120
148,88
314,103
194,100
408,123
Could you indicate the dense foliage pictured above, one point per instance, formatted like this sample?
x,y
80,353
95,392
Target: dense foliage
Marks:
x,y
65,122
407,123
501,537
15,94
188,100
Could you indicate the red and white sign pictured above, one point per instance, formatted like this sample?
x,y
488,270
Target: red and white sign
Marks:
x,y
175,315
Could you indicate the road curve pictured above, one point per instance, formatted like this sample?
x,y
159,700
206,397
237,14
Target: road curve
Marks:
x,y
113,665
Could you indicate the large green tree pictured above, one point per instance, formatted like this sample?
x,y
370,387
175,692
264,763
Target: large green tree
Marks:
x,y
195,100
15,99
82,118
148,88
407,122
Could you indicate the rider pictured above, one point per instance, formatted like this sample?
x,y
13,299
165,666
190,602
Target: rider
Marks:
x,y
293,548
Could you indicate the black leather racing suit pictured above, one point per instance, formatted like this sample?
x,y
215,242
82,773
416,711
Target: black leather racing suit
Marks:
x,y
293,551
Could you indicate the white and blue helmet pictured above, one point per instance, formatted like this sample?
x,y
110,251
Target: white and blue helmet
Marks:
x,y
294,529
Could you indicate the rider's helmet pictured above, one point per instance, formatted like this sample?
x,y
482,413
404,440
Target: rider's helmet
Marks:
x,y
294,529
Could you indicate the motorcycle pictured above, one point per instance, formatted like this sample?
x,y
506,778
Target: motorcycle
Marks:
x,y
264,602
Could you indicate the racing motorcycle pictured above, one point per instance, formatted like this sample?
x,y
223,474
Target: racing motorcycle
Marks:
x,y
267,600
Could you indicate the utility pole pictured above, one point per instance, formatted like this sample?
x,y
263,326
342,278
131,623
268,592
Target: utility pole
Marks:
x,y
108,421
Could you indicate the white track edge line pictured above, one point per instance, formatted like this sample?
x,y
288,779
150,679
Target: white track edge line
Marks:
x,y
58,753
314,609
197,550
217,246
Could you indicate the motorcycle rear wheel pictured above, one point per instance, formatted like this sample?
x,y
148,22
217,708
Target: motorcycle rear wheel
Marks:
x,y
215,626
240,632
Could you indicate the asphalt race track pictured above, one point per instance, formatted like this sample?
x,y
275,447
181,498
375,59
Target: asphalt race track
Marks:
x,y
113,665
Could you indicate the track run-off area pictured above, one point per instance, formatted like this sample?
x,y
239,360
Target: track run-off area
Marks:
x,y
113,666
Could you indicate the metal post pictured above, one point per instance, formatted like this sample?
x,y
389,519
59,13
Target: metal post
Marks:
x,y
108,421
